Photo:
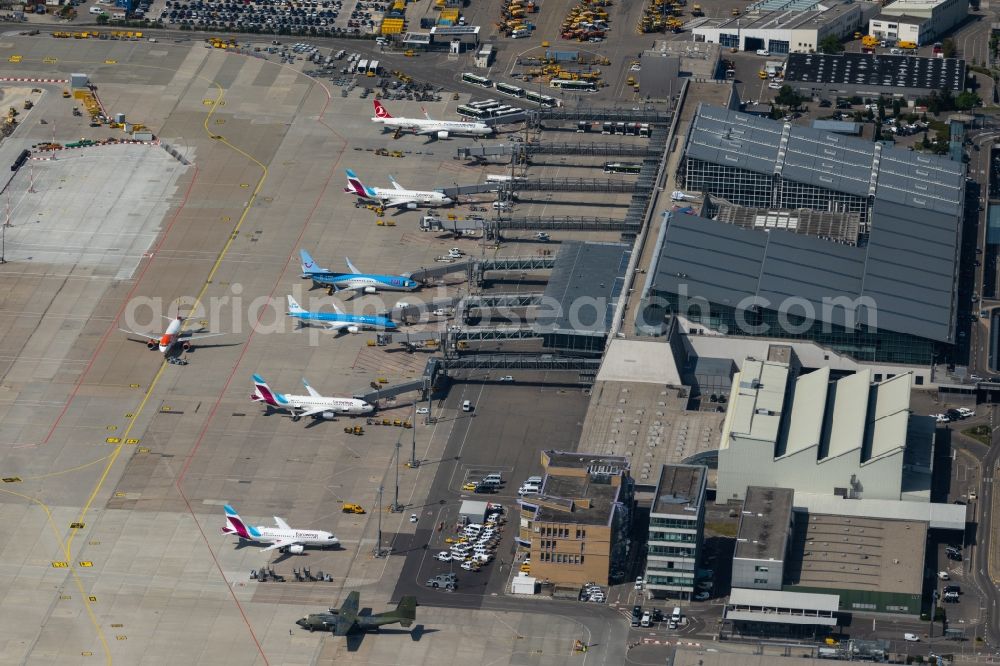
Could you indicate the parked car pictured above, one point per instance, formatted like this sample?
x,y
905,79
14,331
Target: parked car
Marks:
x,y
638,582
913,638
423,410
965,411
447,581
443,556
943,575
702,596
647,619
636,615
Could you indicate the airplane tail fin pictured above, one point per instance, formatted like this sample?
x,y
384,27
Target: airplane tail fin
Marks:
x,y
407,611
381,111
355,186
426,115
236,525
294,307
309,267
263,393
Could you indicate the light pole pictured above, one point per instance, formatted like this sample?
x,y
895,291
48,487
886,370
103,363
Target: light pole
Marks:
x,y
413,444
377,551
396,506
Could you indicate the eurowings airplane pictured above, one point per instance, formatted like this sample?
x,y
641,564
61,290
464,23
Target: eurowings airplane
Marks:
x,y
172,337
369,283
282,537
427,125
397,196
314,404
338,320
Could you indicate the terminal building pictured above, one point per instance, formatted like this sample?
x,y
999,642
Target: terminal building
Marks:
x,y
891,300
918,21
851,437
785,26
577,528
763,538
871,76
676,528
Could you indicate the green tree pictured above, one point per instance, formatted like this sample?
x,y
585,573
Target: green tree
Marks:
x,y
897,106
966,100
948,48
830,44
788,97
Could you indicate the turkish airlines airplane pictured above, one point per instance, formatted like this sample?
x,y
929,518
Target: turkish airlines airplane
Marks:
x,y
172,338
314,404
427,125
282,537
397,196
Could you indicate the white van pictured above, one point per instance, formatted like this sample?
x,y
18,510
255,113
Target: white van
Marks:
x,y
94,9
528,489
676,615
119,16
467,406
763,52
495,476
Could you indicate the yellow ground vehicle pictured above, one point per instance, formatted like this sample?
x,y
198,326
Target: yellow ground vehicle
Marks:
x,y
762,74
735,12
356,430
352,508
469,486
526,568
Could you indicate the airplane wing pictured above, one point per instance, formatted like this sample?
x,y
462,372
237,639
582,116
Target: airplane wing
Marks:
x,y
313,392
352,267
395,184
338,325
280,543
188,336
312,411
145,337
281,524
351,603
391,203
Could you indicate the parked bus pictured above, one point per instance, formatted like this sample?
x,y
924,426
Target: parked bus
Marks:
x,y
477,80
467,111
362,67
575,86
373,68
622,167
544,100
508,89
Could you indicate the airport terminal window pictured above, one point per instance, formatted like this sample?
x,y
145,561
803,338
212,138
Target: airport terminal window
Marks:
x,y
729,40
740,186
670,522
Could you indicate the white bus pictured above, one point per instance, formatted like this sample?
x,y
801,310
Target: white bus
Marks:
x,y
362,67
543,100
508,89
477,80
575,86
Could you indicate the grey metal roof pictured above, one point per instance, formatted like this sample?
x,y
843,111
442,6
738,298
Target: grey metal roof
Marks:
x,y
826,159
591,271
904,270
838,126
904,71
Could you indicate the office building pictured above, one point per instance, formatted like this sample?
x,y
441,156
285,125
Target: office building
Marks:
x,y
851,437
785,26
577,529
892,300
762,538
676,527
919,21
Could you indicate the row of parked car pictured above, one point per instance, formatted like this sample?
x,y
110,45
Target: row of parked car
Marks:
x,y
953,415
316,16
491,483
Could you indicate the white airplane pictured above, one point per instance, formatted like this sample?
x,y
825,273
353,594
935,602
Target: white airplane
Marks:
x,y
397,196
171,337
314,404
282,537
427,125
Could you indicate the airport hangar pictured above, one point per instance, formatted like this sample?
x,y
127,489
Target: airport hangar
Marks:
x,y
725,282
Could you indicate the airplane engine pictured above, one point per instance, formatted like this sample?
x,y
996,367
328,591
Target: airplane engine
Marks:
x,y
443,134
296,549
329,416
370,290
411,206
186,346
353,329
151,344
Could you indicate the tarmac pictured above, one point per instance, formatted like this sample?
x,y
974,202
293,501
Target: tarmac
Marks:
x,y
116,464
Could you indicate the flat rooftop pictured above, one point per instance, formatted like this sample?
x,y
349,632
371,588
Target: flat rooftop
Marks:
x,y
584,272
680,490
572,459
764,521
575,499
865,69
649,424
783,15
856,553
